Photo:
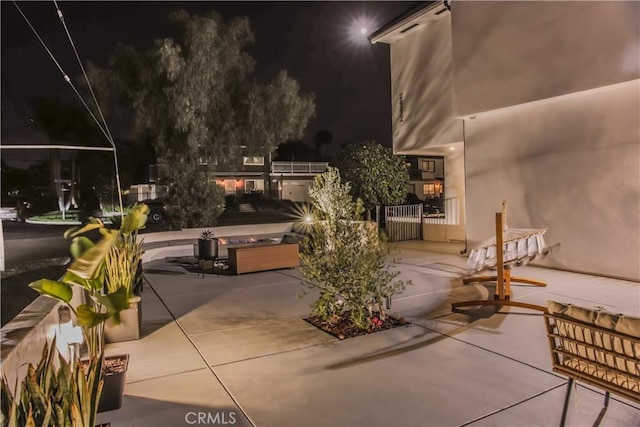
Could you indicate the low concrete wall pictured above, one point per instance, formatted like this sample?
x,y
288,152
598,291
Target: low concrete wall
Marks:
x,y
227,231
442,232
23,338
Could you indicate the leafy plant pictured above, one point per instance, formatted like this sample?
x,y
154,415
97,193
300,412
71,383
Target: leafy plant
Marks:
x,y
207,235
87,274
121,265
377,176
196,97
345,258
67,395
54,393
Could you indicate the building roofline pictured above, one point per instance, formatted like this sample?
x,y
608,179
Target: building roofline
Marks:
x,y
407,17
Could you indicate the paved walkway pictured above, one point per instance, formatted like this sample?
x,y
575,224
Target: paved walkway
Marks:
x,y
234,350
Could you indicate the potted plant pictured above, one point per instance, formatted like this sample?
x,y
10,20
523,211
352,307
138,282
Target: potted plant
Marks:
x,y
207,246
93,305
54,393
123,270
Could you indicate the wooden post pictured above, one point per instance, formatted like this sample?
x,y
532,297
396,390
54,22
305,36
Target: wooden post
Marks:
x,y
499,293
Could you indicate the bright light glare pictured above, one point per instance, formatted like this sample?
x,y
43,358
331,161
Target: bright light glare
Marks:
x,y
303,214
357,29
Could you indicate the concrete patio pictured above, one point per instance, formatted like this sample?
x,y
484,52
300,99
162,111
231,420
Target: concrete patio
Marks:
x,y
234,350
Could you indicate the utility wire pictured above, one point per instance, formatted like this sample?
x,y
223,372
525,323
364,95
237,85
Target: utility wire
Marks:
x,y
95,101
84,73
64,74
104,129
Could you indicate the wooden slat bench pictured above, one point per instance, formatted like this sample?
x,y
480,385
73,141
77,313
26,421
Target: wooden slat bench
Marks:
x,y
262,257
595,347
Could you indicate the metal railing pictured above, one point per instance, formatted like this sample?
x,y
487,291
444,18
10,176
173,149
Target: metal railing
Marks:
x,y
403,222
298,168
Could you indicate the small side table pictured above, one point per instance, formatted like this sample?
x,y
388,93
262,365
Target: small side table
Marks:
x,y
206,264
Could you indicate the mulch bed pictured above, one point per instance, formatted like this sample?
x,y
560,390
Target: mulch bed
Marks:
x,y
343,328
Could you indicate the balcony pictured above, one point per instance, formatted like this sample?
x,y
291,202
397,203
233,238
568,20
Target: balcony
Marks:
x,y
298,168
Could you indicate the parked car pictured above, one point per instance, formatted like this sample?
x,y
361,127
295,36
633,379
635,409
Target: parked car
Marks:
x,y
157,211
429,206
15,208
413,199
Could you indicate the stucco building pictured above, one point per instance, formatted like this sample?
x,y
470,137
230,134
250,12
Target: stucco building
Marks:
x,y
532,102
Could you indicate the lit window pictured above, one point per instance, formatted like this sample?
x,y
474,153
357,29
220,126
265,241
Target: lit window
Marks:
x,y
253,160
251,185
428,165
429,189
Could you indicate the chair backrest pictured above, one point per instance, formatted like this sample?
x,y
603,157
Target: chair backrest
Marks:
x,y
596,346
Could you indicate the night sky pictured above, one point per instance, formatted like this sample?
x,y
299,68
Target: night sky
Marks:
x,y
318,43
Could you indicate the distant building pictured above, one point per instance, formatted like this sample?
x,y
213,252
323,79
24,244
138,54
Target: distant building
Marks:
x,y
275,180
426,176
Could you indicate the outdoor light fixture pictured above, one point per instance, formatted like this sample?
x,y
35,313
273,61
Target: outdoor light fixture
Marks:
x,y
363,31
68,336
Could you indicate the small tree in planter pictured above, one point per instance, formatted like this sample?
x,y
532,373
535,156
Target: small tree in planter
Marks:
x,y
346,259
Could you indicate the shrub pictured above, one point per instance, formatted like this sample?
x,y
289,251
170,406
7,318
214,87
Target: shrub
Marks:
x,y
345,258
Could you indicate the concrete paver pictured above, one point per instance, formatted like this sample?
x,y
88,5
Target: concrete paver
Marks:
x,y
223,344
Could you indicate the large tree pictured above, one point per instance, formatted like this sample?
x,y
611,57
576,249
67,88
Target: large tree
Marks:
x,y
377,176
296,151
322,138
197,98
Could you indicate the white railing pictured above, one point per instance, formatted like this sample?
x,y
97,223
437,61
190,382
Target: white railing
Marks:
x,y
298,168
451,214
403,222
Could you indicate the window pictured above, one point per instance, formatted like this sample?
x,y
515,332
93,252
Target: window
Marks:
x,y
427,165
230,186
253,185
429,190
253,161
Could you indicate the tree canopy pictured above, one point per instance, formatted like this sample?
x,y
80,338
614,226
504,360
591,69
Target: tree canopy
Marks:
x,y
196,95
377,176
297,151
196,98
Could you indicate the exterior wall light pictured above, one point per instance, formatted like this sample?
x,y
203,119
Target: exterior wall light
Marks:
x,y
68,336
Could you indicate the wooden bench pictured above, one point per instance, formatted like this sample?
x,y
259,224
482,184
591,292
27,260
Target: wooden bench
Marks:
x,y
596,347
262,257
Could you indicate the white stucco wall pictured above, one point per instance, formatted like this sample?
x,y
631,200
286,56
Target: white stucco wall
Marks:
x,y
550,96
572,165
421,71
513,52
455,187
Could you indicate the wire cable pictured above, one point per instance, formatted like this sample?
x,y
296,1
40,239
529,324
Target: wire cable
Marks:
x,y
65,76
95,101
105,129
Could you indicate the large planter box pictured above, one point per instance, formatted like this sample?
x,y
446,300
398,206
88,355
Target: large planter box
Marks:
x,y
130,325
